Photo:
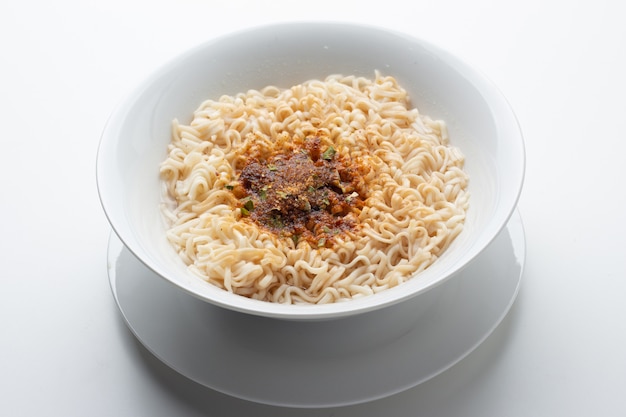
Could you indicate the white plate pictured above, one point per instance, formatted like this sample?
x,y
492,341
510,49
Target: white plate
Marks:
x,y
326,363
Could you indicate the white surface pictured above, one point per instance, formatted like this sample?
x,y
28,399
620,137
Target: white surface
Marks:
x,y
369,356
479,121
65,349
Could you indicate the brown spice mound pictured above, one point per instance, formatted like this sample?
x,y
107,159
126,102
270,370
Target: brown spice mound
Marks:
x,y
305,191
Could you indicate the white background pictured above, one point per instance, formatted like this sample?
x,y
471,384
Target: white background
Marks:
x,y
65,65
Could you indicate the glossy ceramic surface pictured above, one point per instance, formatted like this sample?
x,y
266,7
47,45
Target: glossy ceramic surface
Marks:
x,y
479,120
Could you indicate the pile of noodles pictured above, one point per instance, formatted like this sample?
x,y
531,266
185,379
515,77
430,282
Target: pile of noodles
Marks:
x,y
416,204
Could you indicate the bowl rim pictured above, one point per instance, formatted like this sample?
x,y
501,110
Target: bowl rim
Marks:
x,y
306,311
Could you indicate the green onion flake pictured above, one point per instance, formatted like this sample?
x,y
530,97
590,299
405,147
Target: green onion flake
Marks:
x,y
329,153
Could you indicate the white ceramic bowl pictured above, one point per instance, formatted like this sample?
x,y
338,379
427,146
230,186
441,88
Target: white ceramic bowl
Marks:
x,y
479,120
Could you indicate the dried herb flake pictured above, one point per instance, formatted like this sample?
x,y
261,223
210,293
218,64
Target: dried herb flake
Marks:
x,y
329,153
